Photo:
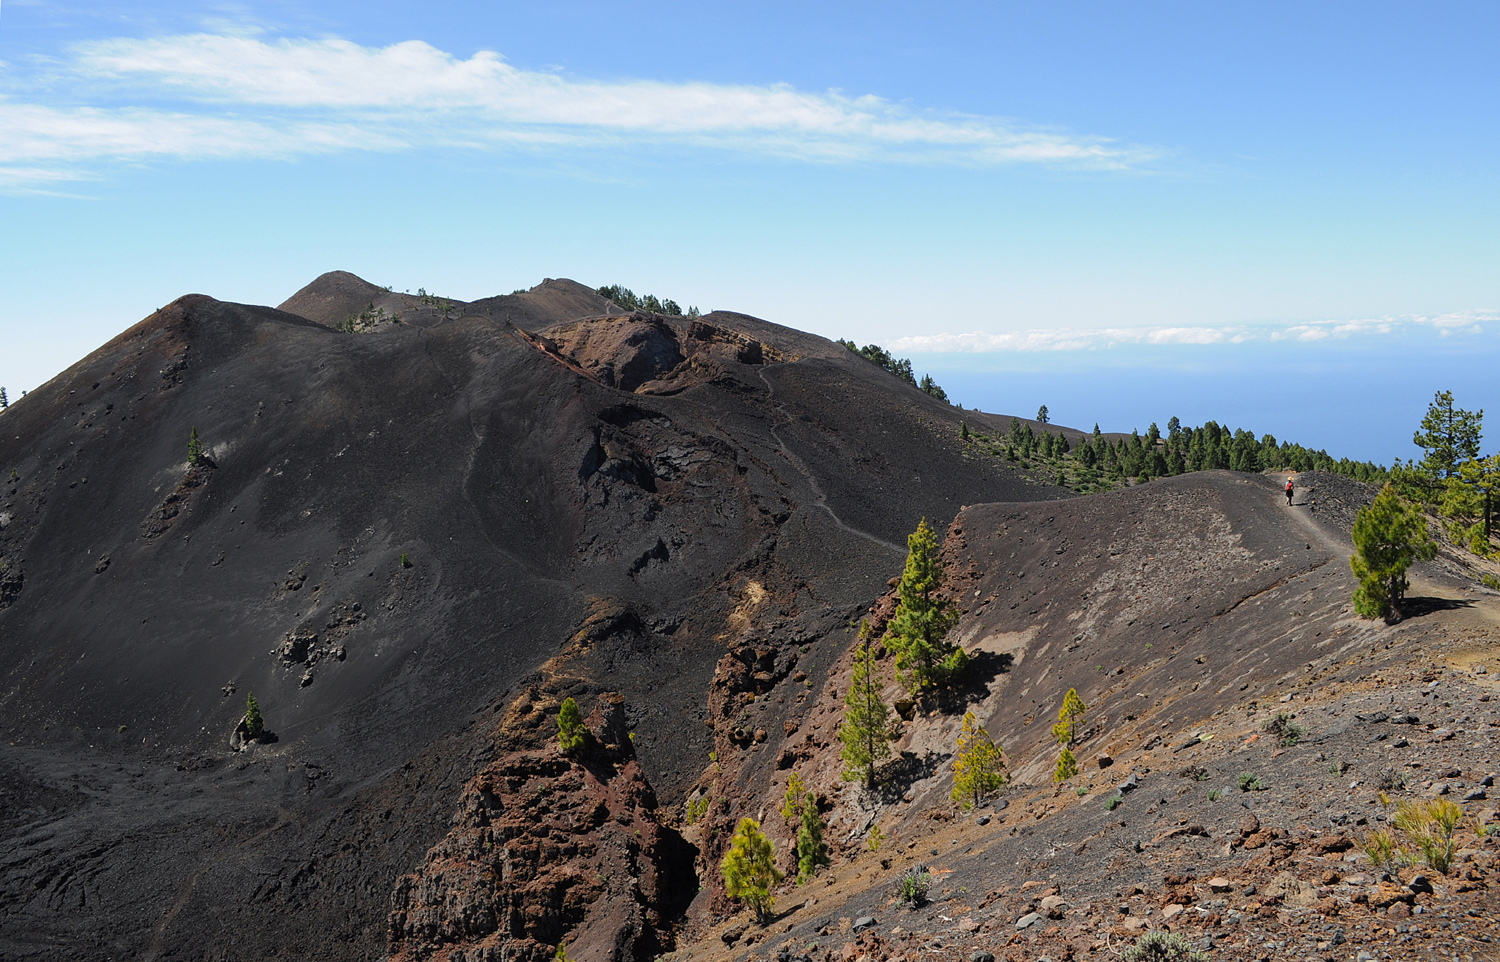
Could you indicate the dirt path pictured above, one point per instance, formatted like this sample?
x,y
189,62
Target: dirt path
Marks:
x,y
796,462
1485,609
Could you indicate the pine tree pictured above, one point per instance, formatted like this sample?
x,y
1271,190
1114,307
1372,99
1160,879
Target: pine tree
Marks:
x,y
1069,719
255,725
865,730
811,851
749,868
918,631
4,401
1389,534
1482,476
963,430
571,732
1067,766
791,802
978,764
1041,414
1448,435
195,447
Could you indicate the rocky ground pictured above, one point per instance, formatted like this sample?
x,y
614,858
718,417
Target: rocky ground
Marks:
x,y
1189,816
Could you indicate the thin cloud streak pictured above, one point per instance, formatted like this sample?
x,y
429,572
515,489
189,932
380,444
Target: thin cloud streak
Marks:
x,y
1083,339
242,96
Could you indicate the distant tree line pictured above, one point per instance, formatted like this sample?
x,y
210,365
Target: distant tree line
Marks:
x,y
627,299
1100,463
901,367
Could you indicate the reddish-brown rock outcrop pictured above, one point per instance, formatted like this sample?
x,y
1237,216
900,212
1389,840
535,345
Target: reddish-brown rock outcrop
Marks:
x,y
548,849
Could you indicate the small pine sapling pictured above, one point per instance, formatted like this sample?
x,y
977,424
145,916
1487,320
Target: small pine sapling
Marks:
x,y
791,802
1070,719
571,733
195,448
1067,766
749,869
811,850
865,730
875,839
255,725
978,764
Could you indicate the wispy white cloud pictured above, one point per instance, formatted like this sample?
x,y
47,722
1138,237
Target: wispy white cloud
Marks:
x,y
31,134
1081,339
234,95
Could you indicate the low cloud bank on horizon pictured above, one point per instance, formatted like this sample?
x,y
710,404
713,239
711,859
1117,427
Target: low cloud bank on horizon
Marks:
x,y
246,97
1080,339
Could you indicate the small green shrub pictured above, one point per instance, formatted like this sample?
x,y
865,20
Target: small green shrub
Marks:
x,y
875,839
1214,794
697,808
405,561
255,725
1250,782
1381,848
1286,731
1488,580
1114,802
914,885
571,732
1162,946
1432,827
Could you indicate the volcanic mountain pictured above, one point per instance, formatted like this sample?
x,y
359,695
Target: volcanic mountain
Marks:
x,y
393,532
415,525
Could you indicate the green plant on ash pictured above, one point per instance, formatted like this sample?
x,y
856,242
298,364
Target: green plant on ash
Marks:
x,y
1432,827
571,733
195,448
749,869
1070,718
791,801
255,725
1383,851
978,764
811,851
1067,766
1250,782
918,632
866,727
875,839
912,889
1162,946
1389,535
1286,731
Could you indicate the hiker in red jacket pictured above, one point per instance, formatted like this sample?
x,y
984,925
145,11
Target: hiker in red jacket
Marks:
x,y
1289,492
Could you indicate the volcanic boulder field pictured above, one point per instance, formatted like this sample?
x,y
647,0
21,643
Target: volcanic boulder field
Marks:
x,y
419,524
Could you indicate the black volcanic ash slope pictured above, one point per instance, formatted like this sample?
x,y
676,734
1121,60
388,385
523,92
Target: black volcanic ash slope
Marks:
x,y
668,470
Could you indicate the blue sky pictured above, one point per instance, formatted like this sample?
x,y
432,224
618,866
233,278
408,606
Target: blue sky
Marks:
x,y
1278,217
